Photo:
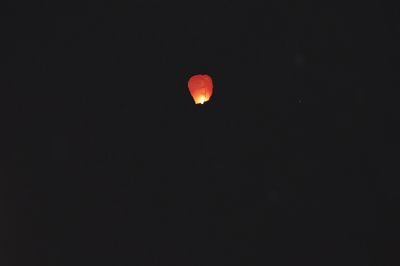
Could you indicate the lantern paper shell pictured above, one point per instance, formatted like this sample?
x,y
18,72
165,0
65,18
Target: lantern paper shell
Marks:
x,y
201,88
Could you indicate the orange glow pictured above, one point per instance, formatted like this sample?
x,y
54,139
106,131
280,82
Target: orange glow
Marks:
x,y
201,88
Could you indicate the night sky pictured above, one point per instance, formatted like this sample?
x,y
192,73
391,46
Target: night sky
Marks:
x,y
106,160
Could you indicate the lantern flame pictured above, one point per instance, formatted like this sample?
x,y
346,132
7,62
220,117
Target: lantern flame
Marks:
x,y
202,99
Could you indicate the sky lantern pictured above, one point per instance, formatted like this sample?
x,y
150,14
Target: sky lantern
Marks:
x,y
201,88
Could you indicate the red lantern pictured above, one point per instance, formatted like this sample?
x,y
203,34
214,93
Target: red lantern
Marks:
x,y
201,88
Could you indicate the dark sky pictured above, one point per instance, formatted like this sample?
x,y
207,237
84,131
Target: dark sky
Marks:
x,y
106,160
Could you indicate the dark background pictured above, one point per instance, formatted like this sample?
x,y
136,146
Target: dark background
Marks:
x,y
106,160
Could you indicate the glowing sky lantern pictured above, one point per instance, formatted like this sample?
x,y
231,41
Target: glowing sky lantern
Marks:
x,y
201,88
